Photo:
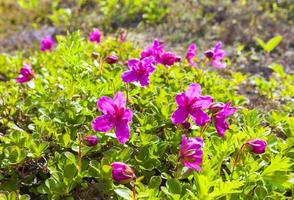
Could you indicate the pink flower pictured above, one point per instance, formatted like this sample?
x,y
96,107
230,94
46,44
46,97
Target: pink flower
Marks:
x,y
47,44
154,50
111,59
192,103
257,146
223,112
216,55
115,115
191,152
90,140
139,70
95,35
169,58
122,36
122,173
26,74
191,54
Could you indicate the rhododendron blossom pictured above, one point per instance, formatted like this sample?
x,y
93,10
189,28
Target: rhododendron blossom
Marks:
x,y
47,43
115,115
122,36
191,102
26,74
95,36
155,50
220,116
122,173
139,70
191,54
216,55
191,152
169,58
257,146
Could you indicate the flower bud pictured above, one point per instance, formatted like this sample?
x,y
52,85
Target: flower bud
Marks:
x,y
257,146
90,140
215,107
95,55
95,36
122,173
26,74
209,54
111,59
47,44
186,125
122,36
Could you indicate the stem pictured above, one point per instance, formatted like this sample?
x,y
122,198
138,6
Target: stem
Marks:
x,y
177,168
134,190
127,91
79,153
237,158
203,129
101,61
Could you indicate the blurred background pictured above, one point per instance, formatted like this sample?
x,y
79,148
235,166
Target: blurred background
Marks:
x,y
177,22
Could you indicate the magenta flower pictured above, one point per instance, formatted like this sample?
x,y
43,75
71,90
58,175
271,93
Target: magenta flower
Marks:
x,y
95,35
154,50
122,36
191,152
169,58
122,173
26,74
220,118
47,43
191,54
216,55
111,59
257,146
115,115
139,70
192,103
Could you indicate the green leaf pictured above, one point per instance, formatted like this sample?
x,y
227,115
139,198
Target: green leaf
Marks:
x,y
123,192
173,186
260,42
154,182
272,43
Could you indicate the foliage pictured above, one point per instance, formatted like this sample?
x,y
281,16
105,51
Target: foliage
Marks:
x,y
40,123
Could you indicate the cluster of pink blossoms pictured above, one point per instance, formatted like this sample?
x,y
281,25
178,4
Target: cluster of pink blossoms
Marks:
x,y
191,103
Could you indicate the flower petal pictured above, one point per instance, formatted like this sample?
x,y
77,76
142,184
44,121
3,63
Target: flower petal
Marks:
x,y
144,80
194,90
129,76
221,126
193,166
106,105
133,64
128,115
203,102
122,132
218,64
179,116
181,99
119,100
199,117
102,123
